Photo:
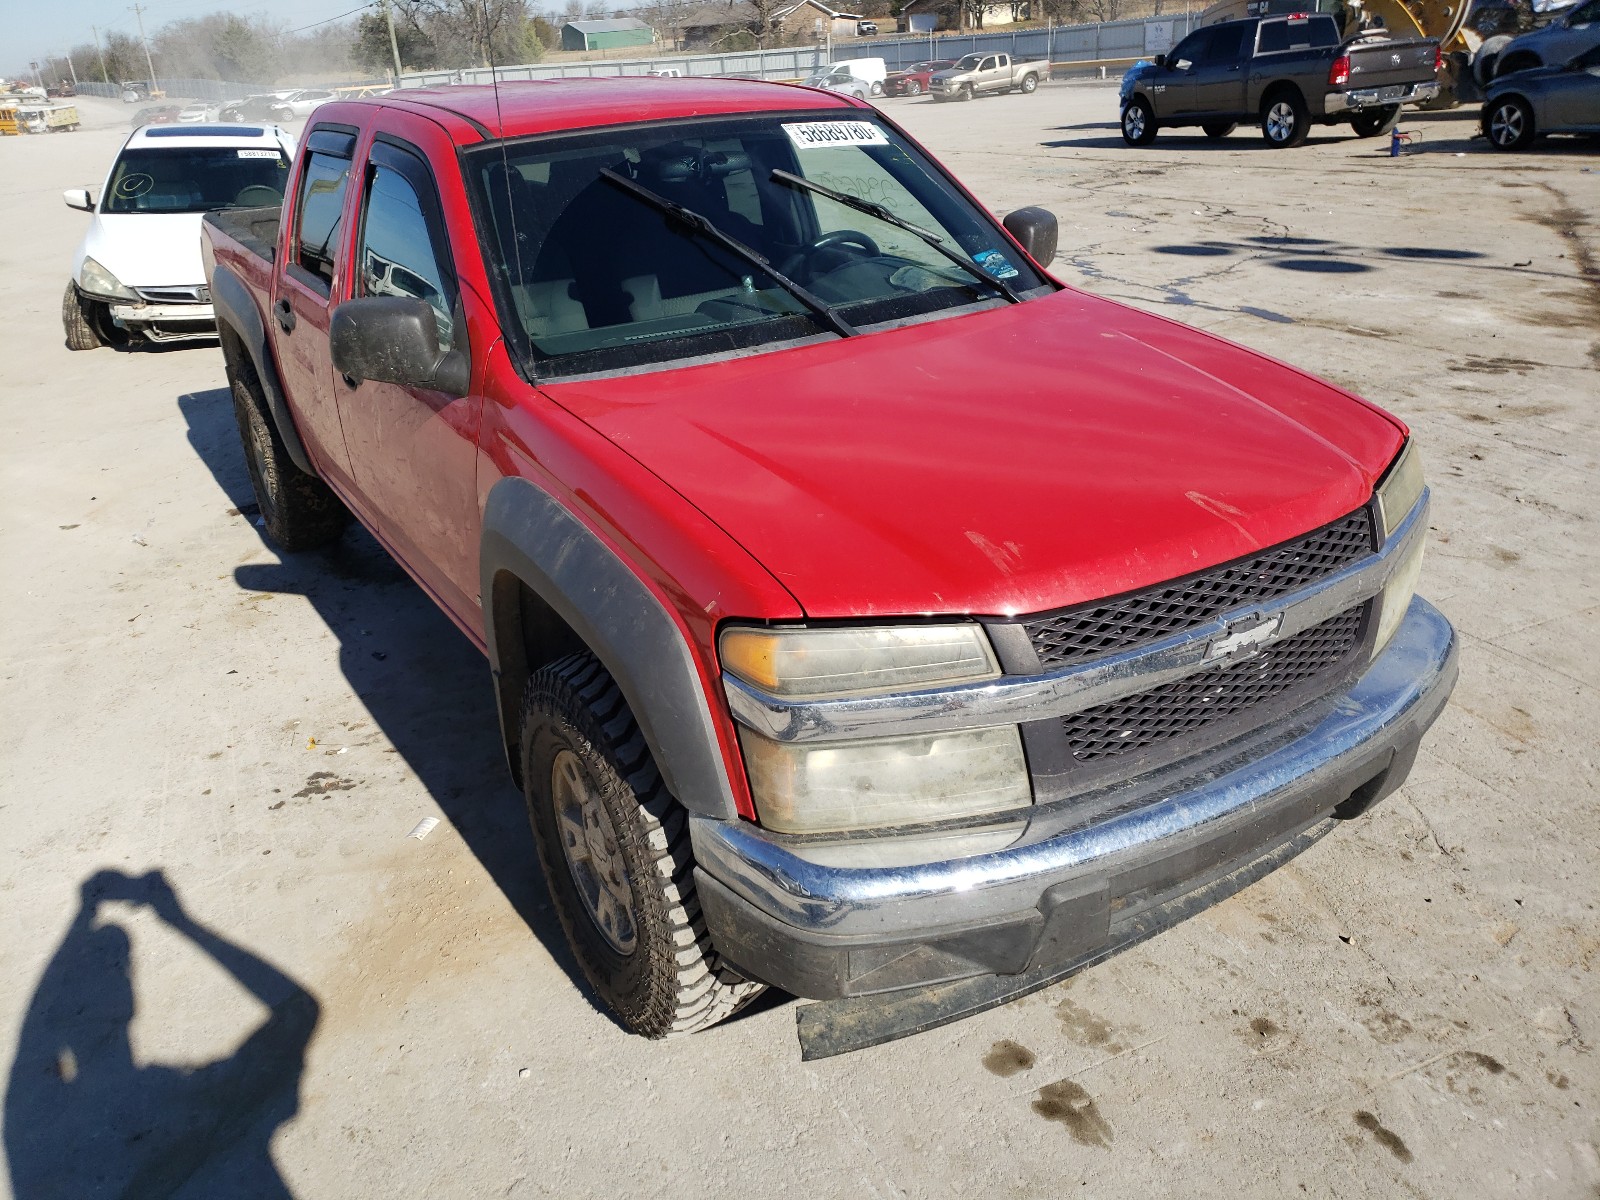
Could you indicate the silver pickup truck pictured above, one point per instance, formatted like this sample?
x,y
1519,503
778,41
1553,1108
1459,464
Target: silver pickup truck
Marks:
x,y
977,74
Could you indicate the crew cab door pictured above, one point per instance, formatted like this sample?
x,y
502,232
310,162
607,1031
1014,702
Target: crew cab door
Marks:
x,y
413,449
311,251
1173,89
1216,85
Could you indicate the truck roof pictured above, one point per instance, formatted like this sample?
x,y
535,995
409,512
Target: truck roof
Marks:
x,y
531,106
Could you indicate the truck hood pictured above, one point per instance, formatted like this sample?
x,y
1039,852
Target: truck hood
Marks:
x,y
146,249
1011,460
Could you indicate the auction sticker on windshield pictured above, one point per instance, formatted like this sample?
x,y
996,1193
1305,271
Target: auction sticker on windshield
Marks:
x,y
812,135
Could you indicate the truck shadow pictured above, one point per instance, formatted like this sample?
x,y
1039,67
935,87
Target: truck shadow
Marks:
x,y
85,1119
425,686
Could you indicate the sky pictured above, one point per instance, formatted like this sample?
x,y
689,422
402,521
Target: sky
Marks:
x,y
34,30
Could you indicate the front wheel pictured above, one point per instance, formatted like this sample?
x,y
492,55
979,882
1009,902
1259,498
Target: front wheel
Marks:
x,y
1138,122
1508,124
81,320
1372,122
615,849
1030,84
913,88
1217,130
877,88
1285,120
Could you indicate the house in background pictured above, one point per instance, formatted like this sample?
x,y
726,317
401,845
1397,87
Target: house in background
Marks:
x,y
606,35
714,26
924,16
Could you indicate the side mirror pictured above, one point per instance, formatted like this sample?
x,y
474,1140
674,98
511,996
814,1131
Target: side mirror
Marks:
x,y
78,198
1036,229
395,339
1160,60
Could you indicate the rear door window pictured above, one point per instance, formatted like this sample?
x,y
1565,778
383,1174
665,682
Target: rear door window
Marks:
x,y
319,208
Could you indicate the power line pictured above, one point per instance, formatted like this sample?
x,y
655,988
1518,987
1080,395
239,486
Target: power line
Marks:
x,y
330,20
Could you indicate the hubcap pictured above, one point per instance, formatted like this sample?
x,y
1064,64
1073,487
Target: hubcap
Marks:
x,y
1505,127
1133,121
589,844
1280,121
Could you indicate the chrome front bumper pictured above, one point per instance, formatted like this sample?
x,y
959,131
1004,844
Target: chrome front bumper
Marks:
x,y
819,929
167,322
1410,93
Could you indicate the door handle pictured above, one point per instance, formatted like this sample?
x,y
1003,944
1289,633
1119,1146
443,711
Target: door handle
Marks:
x,y
282,310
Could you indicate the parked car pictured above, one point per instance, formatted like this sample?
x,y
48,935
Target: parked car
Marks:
x,y
260,107
298,105
135,90
1557,43
138,271
913,80
1529,104
865,28
1284,73
1123,622
160,114
665,73
837,79
870,71
988,75
197,112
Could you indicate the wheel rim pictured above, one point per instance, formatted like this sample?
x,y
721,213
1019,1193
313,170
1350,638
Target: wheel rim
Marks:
x,y
1505,127
914,89
1133,121
1280,122
589,844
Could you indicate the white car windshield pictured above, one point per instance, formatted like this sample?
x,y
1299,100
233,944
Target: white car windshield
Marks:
x,y
196,179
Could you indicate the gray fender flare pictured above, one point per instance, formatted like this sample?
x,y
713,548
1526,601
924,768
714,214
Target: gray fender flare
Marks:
x,y
236,310
530,540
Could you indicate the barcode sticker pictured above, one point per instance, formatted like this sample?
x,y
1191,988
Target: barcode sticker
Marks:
x,y
815,135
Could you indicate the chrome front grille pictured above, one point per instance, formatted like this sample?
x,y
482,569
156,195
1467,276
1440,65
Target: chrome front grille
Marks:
x,y
198,294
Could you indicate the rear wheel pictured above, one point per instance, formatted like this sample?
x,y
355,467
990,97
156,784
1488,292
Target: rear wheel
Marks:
x,y
299,510
877,88
1217,130
82,320
1508,123
1284,120
1138,122
615,849
1373,121
1030,84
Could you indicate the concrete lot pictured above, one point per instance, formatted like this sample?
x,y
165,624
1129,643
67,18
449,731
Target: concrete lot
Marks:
x,y
1410,1009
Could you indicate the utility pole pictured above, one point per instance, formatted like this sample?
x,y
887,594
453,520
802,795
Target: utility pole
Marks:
x,y
394,43
138,13
72,70
105,77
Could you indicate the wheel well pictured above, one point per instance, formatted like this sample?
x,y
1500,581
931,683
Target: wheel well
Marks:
x,y
1280,89
528,634
1522,60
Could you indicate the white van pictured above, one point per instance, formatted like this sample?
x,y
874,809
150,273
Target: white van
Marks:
x,y
871,71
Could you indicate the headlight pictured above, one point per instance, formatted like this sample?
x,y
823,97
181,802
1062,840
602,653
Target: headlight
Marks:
x,y
800,663
1397,496
816,788
1401,488
98,281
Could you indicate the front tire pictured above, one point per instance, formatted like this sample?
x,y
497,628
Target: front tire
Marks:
x,y
1376,121
1138,122
1030,84
1284,120
966,92
299,510
913,88
81,320
1508,124
877,88
615,849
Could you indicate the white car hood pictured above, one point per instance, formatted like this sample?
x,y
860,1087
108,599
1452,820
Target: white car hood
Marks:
x,y
145,250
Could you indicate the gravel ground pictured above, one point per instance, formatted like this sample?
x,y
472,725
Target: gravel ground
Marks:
x,y
330,1007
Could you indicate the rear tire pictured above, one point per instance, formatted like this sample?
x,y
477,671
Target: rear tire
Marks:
x,y
299,510
1138,122
615,849
1217,130
1030,84
877,88
1508,124
1376,121
1284,120
81,320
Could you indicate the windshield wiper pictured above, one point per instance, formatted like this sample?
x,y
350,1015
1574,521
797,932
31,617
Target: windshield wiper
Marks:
x,y
883,214
702,225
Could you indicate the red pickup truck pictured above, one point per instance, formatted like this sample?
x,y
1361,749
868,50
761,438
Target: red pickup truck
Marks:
x,y
870,614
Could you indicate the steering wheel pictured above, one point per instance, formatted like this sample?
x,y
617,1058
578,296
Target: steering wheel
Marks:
x,y
802,262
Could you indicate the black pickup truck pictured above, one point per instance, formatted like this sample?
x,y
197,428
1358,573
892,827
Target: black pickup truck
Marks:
x,y
1285,73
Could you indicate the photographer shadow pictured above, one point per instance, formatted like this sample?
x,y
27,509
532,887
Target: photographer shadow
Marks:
x,y
84,1120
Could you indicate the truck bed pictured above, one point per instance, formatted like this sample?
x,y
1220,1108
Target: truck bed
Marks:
x,y
254,229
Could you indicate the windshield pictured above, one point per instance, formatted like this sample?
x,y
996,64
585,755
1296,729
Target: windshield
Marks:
x,y
599,277
969,62
196,179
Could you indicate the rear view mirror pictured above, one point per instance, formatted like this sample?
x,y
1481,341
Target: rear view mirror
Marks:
x,y
78,198
1036,229
395,339
1160,60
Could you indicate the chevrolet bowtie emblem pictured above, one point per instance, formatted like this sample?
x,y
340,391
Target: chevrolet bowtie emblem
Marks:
x,y
1244,638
